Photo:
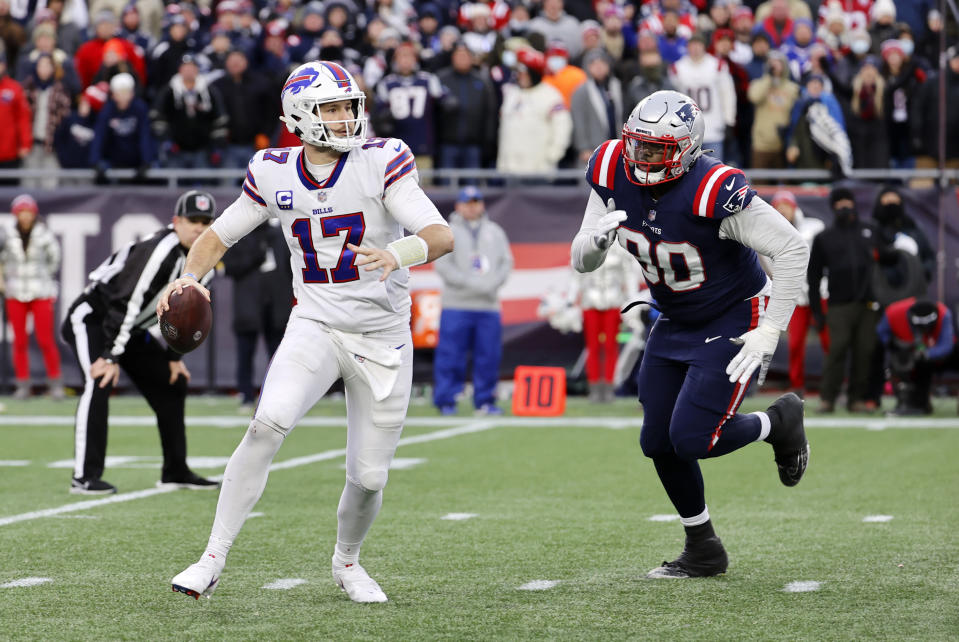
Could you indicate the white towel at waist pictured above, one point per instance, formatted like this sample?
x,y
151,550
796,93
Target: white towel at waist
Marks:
x,y
378,362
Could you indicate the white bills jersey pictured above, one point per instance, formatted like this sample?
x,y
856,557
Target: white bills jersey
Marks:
x,y
369,197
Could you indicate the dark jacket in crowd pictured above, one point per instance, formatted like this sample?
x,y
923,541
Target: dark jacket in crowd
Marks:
x,y
250,106
122,138
469,114
73,139
192,119
848,255
924,117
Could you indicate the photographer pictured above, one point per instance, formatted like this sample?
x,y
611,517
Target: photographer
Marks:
x,y
919,337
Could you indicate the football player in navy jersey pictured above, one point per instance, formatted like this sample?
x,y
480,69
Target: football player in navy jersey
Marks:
x,y
695,226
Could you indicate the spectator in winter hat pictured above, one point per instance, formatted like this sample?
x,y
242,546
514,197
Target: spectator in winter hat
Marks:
x,y
122,135
50,101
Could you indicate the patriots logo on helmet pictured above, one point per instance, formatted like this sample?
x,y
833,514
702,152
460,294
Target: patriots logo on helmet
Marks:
x,y
298,83
687,113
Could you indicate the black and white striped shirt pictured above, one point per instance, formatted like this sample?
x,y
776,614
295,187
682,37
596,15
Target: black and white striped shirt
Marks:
x,y
125,288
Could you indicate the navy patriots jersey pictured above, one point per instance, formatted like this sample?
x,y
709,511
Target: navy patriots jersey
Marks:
x,y
692,273
411,103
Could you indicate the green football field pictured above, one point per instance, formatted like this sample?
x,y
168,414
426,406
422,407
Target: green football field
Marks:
x,y
558,521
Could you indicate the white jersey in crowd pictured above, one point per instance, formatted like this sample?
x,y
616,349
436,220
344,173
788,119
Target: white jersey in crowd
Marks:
x,y
709,83
366,198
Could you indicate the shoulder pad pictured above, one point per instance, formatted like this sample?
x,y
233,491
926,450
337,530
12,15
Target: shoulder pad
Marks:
x,y
723,191
601,168
393,155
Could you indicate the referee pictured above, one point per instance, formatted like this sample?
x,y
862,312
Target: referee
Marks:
x,y
109,325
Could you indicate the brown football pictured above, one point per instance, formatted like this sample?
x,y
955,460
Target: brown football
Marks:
x,y
188,321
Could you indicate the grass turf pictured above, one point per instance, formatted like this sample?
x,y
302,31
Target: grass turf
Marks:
x,y
566,503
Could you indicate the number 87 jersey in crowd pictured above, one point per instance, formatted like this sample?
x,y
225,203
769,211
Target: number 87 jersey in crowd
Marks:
x,y
693,272
366,198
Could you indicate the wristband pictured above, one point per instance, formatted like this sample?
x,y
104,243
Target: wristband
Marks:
x,y
409,250
191,275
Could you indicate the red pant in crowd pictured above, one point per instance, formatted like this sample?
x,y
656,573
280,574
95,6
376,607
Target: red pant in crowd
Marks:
x,y
798,328
596,323
42,311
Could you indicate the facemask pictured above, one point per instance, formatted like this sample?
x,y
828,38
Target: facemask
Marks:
x,y
555,63
908,46
859,47
509,58
845,216
889,213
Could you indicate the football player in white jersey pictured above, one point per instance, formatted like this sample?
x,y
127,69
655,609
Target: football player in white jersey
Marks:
x,y
343,201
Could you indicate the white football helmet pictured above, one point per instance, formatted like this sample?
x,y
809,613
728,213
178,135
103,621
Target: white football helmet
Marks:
x,y
313,84
668,122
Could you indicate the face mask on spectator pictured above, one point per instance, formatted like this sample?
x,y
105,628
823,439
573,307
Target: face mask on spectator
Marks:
x,y
908,46
889,213
509,58
845,216
555,63
859,47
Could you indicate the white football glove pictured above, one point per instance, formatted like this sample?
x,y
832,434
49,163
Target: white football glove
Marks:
x,y
605,233
757,351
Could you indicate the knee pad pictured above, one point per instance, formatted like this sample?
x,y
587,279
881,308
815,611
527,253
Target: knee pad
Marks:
x,y
654,442
371,480
260,428
691,448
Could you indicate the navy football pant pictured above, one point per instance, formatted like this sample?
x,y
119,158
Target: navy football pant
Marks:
x,y
689,404
462,332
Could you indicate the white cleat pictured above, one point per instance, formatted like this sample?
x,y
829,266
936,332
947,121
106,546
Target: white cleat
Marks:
x,y
198,579
358,584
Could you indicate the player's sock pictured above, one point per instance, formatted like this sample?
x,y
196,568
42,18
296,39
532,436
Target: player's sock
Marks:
x,y
355,514
243,482
683,482
699,527
764,425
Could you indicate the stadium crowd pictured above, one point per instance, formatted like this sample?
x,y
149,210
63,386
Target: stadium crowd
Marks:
x,y
524,86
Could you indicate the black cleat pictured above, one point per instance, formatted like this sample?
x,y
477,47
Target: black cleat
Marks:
x,y
788,438
706,558
90,486
191,480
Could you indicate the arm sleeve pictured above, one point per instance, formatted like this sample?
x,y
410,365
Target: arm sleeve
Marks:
x,y
946,340
406,202
765,230
585,256
884,331
239,219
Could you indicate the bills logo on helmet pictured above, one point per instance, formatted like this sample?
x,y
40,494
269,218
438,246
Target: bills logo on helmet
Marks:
x,y
736,200
687,113
300,82
202,203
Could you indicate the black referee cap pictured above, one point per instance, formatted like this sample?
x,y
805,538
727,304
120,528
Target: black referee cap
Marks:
x,y
195,203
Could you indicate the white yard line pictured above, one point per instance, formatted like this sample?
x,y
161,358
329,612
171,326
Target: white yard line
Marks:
x,y
877,518
26,581
802,586
457,517
473,427
609,423
538,585
284,584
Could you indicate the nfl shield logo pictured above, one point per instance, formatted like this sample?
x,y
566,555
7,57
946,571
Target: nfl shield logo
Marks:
x,y
321,197
202,203
652,215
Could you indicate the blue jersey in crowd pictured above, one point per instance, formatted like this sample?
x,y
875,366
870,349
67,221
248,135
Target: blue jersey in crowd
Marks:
x,y
693,274
411,101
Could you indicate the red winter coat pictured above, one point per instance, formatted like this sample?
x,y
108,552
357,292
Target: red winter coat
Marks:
x,y
89,58
16,134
